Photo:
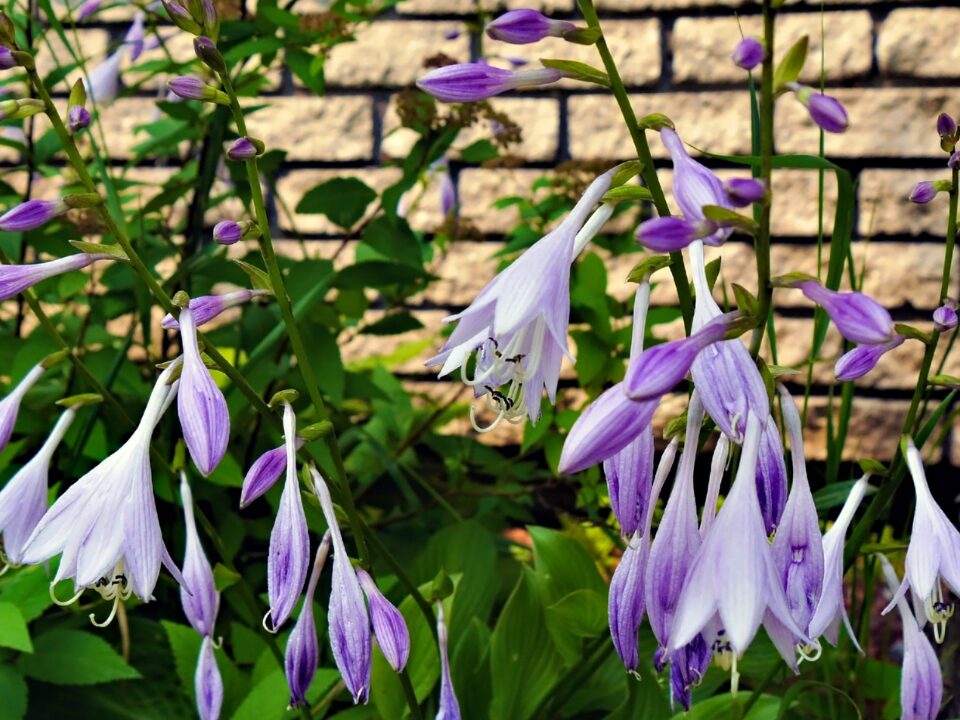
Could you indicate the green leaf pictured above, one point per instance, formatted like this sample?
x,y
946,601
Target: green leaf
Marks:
x,y
29,589
393,324
479,151
185,646
378,274
343,200
73,657
392,239
224,577
632,193
13,691
267,699
790,67
470,671
307,67
13,629
724,707
578,71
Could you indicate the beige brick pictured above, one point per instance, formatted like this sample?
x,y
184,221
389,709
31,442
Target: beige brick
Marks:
x,y
702,46
538,117
885,122
364,62
480,188
920,42
635,45
874,429
470,7
885,207
121,122
91,48
312,128
633,5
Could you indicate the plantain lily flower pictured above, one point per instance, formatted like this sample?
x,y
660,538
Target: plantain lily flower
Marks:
x,y
265,472
863,358
207,682
389,627
302,655
14,279
858,317
10,405
198,593
449,707
206,307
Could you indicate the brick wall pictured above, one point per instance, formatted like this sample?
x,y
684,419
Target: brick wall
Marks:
x,y
893,67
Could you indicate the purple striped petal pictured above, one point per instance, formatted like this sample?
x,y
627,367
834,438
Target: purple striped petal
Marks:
x,y
31,214
10,405
199,595
629,476
207,683
302,655
14,279
206,307
389,627
858,317
449,706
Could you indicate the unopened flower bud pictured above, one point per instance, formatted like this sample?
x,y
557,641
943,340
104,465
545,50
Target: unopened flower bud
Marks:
x,y
946,125
672,234
78,118
245,148
954,162
206,51
744,191
193,88
88,8
525,26
211,21
181,17
227,232
926,190
7,60
31,214
945,318
469,82
825,110
748,53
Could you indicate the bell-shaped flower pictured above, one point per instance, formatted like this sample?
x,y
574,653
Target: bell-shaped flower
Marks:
x,y
198,593
389,627
349,623
288,557
204,417
858,317
863,358
23,500
921,681
10,405
206,307
470,82
694,186
518,323
302,655
265,472
830,608
103,82
449,708
945,317
207,683
14,279
105,525
733,576
933,555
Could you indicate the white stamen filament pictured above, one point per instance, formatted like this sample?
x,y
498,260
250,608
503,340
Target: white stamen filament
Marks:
x,y
810,653
114,588
938,612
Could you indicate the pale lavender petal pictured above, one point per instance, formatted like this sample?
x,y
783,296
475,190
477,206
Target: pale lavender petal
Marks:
x,y
10,405
103,83
199,595
771,477
263,474
31,214
626,601
206,307
469,82
629,475
302,655
449,707
14,279
389,627
525,26
207,683
863,358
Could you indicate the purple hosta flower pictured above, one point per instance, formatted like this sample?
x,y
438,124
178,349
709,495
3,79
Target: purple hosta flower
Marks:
x,y
7,60
389,627
78,118
946,125
771,476
678,538
797,546
88,8
242,149
694,185
525,26
671,234
733,577
103,82
748,53
349,623
14,279
264,472
190,87
10,405
469,82
518,323
227,232
687,668
105,525
933,556
858,317
23,500
718,465
135,36
863,358
31,214
742,192
206,307
825,110
629,475
830,608
204,417
303,652
945,317
449,708
198,594
923,192
207,682
289,553
921,682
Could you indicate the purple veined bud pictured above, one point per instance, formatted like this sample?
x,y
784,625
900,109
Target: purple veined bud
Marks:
x,y
199,596
945,318
181,17
672,234
469,82
744,191
688,665
923,192
206,307
349,623
748,53
7,60
771,476
954,162
227,232
448,194
389,627
863,358
265,472
190,87
449,708
135,36
10,405
31,214
204,417
858,317
78,118
525,26
207,682
825,110
14,279
289,554
88,8
103,82
302,654
629,475
206,51
921,681
946,125
242,149
660,369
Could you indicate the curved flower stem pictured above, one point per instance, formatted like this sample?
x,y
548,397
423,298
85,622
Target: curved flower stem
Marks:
x,y
762,242
639,138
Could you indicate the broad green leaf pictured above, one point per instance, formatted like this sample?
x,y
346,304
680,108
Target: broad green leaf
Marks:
x,y
13,629
393,324
185,646
470,671
13,694
73,657
29,589
479,151
267,700
343,200
724,707
392,239
378,274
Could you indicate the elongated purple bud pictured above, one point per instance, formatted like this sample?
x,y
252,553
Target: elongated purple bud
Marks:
x,y
7,60
748,53
945,318
825,110
525,26
14,279
135,36
771,476
303,652
389,627
672,234
629,476
449,707
227,232
863,358
242,149
923,192
448,195
199,595
469,82
31,215
264,473
206,307
189,87
954,162
626,603
88,8
858,317
946,125
207,683
744,191
10,405
78,118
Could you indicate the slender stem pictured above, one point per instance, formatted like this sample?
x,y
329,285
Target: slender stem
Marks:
x,y
762,245
411,695
639,138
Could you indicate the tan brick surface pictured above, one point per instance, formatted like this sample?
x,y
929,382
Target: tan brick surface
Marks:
x,y
920,42
885,207
91,50
470,7
312,128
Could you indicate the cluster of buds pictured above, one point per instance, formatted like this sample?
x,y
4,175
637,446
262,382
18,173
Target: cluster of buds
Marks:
x,y
197,17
